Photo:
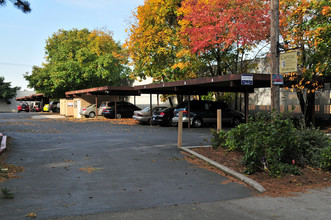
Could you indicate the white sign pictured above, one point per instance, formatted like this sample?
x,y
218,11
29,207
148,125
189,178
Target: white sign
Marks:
x,y
288,62
247,79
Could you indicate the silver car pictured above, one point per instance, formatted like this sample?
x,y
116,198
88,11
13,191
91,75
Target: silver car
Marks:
x,y
143,116
88,112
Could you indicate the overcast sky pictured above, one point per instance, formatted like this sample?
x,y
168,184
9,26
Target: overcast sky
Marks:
x,y
23,36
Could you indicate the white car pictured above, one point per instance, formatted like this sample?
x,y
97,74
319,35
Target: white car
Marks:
x,y
88,112
143,116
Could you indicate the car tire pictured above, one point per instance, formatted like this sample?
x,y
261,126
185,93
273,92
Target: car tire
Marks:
x,y
171,124
118,116
197,123
86,116
235,122
91,114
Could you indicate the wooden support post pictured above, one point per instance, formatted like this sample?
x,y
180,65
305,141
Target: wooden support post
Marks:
x,y
189,112
115,116
274,55
219,119
158,102
151,109
96,106
246,106
180,129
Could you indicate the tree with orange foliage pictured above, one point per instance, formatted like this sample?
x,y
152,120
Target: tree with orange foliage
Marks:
x,y
154,44
221,31
306,24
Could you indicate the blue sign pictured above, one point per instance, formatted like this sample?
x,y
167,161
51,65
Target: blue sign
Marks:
x,y
247,79
277,79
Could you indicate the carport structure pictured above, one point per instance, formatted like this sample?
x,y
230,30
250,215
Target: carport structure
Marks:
x,y
35,97
104,91
226,83
201,86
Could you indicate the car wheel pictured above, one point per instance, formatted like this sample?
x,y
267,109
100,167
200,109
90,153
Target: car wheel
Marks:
x,y
197,122
18,111
118,116
235,122
171,124
91,115
86,116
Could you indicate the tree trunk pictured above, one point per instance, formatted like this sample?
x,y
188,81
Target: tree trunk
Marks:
x,y
307,107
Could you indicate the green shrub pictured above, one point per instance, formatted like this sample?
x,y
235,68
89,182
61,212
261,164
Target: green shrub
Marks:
x,y
326,158
312,142
268,144
218,139
273,143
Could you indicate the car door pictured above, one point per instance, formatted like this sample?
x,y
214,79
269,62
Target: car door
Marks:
x,y
211,112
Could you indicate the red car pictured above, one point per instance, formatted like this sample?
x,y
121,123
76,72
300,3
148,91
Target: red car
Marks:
x,y
23,107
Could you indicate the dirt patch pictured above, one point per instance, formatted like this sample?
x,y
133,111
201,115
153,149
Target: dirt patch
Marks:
x,y
122,121
287,185
8,171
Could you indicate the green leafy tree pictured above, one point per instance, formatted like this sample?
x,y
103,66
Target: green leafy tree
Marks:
x,y
24,6
6,92
78,59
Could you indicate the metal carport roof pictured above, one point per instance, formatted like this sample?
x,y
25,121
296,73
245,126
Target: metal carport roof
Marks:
x,y
227,83
105,90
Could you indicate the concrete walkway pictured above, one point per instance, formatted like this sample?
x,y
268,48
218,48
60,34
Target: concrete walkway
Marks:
x,y
314,204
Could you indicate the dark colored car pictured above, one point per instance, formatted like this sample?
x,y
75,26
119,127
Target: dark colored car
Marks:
x,y
54,106
205,112
24,107
164,118
123,110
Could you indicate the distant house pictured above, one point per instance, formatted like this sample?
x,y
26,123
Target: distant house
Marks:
x,y
11,106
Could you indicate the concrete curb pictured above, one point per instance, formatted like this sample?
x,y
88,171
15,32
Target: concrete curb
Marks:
x,y
48,117
258,187
3,144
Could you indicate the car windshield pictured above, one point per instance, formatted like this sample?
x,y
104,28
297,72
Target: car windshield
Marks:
x,y
146,109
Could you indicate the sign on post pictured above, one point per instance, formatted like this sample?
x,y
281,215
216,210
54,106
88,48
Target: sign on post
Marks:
x,y
288,62
277,79
247,79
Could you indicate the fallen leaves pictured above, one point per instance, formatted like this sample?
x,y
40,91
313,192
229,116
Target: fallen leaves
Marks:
x,y
90,169
8,171
288,185
31,215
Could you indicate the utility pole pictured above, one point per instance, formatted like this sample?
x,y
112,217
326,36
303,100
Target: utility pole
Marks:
x,y
274,35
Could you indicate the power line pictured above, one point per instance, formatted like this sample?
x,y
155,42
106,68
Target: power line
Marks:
x,y
15,64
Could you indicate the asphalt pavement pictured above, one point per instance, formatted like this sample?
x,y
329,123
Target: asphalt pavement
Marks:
x,y
98,170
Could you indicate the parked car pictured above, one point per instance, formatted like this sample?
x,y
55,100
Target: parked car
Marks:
x,y
123,110
104,105
88,112
205,112
24,107
54,106
164,118
46,108
35,107
143,116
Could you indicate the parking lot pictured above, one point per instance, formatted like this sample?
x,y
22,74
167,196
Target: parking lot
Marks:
x,y
75,167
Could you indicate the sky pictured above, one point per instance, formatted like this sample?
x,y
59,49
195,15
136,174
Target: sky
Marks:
x,y
23,36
